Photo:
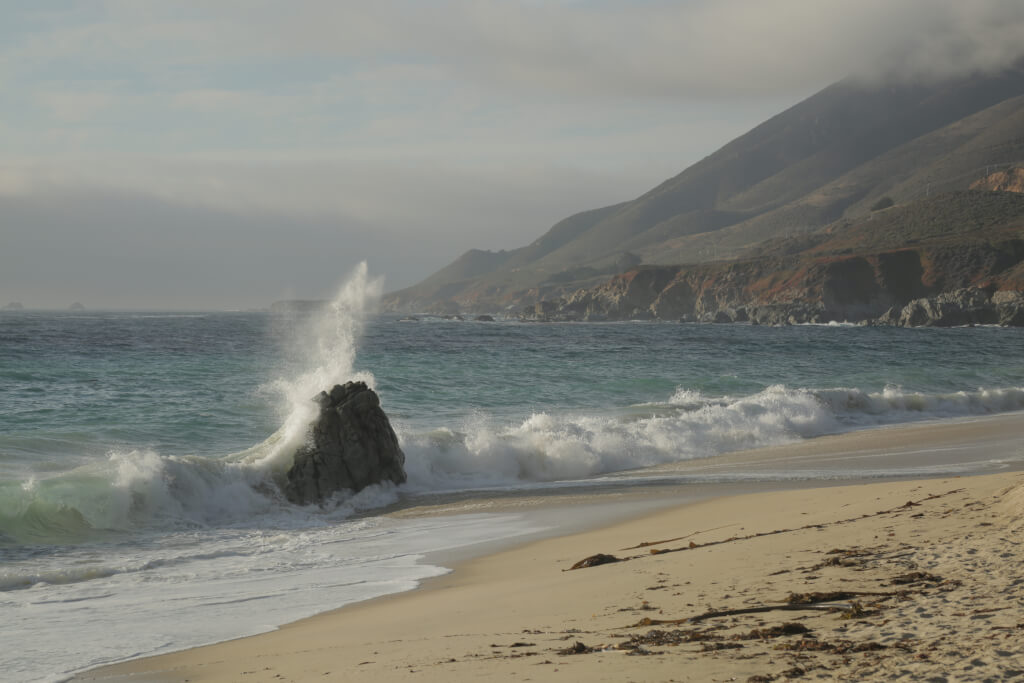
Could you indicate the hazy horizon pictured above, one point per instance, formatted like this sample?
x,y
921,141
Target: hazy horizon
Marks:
x,y
188,156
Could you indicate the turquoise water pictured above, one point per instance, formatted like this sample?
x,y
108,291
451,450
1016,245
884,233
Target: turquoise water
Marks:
x,y
139,452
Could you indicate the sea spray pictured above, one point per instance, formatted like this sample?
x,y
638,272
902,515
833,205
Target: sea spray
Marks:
x,y
133,490
325,346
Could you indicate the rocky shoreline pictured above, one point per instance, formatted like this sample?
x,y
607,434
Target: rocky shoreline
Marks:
x,y
962,307
948,260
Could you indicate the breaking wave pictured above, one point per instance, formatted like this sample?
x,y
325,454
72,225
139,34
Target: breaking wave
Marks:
x,y
142,489
546,447
137,489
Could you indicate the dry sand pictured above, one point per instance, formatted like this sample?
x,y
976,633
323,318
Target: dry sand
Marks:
x,y
906,580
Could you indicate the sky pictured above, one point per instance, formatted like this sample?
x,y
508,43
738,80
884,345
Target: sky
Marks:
x,y
224,154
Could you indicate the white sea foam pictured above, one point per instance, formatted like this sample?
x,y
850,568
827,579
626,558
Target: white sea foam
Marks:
x,y
185,590
546,447
140,489
895,405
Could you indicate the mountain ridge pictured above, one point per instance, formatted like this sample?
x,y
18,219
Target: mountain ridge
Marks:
x,y
822,163
861,272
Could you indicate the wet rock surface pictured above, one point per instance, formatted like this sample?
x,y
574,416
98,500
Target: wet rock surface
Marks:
x,y
351,446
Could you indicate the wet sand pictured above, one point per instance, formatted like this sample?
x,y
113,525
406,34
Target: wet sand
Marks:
x,y
918,579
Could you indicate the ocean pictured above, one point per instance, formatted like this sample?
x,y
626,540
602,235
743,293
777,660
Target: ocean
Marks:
x,y
139,451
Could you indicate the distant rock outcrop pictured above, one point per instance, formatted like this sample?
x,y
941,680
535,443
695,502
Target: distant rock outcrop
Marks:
x,y
969,306
952,259
1010,180
351,446
14,306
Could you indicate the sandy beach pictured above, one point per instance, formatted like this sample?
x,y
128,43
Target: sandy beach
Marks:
x,y
894,580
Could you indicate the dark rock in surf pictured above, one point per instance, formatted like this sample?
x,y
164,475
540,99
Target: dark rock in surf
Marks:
x,y
351,446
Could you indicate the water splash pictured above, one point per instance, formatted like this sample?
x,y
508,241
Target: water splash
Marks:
x,y
327,345
136,489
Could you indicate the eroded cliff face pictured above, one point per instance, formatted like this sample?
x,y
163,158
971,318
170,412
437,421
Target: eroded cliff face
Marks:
x,y
956,258
1011,180
628,296
938,285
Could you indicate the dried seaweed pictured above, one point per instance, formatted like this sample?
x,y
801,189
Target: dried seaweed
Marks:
x,y
674,637
916,577
716,646
646,544
594,560
814,598
576,648
647,621
840,647
788,629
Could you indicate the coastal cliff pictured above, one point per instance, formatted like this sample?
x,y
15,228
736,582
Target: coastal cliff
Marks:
x,y
955,259
861,198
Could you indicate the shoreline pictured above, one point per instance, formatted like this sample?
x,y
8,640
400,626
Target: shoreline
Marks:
x,y
446,627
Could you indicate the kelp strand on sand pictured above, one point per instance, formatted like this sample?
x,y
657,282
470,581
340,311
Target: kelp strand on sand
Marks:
x,y
604,558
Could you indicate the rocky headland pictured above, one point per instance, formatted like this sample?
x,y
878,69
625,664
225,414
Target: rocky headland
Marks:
x,y
952,260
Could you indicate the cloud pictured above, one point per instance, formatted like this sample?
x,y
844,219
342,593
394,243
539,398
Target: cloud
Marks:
x,y
232,235
343,78
120,250
723,48
707,48
433,126
953,39
72,106
453,206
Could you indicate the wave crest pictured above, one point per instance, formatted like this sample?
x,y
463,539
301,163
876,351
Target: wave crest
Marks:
x,y
545,447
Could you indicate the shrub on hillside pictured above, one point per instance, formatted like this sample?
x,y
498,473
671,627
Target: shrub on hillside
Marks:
x,y
883,203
